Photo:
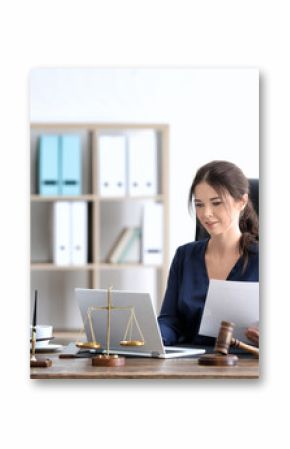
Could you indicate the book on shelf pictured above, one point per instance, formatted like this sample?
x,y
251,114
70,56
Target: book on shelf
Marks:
x,y
128,164
152,234
48,166
126,247
132,251
70,233
61,233
59,165
142,163
112,165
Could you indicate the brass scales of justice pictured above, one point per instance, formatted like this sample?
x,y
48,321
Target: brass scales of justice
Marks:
x,y
108,359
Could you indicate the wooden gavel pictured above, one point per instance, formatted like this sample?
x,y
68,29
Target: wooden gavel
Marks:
x,y
225,340
221,356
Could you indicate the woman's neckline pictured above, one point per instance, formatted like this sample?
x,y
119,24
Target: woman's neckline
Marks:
x,y
232,270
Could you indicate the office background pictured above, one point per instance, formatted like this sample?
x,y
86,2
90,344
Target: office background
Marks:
x,y
211,114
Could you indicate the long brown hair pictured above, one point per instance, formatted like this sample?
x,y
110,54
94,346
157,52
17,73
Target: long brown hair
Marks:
x,y
224,177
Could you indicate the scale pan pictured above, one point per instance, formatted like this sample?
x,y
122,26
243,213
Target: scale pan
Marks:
x,y
132,342
88,344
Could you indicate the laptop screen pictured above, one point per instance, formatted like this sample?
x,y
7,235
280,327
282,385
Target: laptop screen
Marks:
x,y
132,317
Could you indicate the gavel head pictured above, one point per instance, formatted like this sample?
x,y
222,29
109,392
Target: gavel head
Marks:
x,y
224,338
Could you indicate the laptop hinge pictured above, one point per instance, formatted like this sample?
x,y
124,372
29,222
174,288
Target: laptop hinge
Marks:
x,y
155,354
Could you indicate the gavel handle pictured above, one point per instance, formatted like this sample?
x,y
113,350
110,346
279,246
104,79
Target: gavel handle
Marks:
x,y
239,344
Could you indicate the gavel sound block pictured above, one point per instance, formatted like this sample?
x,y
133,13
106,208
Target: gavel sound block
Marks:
x,y
40,363
221,356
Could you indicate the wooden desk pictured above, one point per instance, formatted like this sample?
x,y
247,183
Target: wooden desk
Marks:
x,y
145,368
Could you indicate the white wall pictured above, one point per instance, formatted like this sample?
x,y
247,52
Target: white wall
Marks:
x,y
212,113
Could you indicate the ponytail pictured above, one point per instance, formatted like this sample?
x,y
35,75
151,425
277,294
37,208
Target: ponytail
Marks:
x,y
249,226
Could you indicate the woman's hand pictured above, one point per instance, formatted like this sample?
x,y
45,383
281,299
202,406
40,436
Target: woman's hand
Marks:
x,y
252,333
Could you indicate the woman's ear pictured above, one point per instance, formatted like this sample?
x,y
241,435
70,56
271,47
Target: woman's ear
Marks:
x,y
244,201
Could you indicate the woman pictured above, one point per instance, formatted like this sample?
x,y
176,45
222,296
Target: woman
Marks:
x,y
220,193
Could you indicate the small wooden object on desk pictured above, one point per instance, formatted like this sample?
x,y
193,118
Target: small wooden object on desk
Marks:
x,y
34,362
225,339
108,360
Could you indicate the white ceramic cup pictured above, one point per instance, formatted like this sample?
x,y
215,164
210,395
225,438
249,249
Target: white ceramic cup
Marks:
x,y
42,331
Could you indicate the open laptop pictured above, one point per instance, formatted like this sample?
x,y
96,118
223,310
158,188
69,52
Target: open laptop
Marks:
x,y
145,327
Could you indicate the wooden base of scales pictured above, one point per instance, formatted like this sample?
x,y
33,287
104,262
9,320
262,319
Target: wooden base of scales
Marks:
x,y
108,360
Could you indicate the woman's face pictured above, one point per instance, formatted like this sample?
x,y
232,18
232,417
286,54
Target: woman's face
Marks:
x,y
217,214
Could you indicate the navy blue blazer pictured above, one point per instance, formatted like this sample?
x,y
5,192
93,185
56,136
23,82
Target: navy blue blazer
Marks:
x,y
186,291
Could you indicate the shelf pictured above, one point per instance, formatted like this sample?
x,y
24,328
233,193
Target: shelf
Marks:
x,y
52,267
97,127
66,336
132,198
91,197
91,266
125,266
43,198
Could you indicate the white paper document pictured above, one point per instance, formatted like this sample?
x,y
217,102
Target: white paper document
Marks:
x,y
233,301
